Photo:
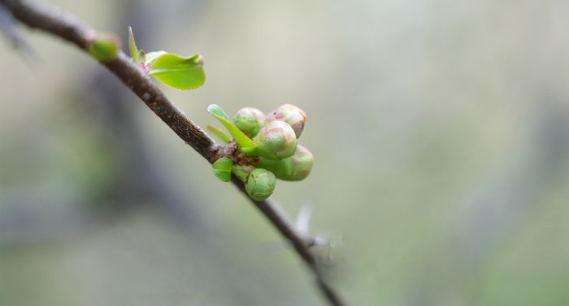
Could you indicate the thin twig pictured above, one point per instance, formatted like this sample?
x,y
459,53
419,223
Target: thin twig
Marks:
x,y
36,15
9,27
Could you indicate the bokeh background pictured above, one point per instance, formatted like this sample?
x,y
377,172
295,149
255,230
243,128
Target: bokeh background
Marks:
x,y
440,130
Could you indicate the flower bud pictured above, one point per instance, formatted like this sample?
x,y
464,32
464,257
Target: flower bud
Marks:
x,y
260,184
294,168
276,140
104,47
290,114
249,120
222,169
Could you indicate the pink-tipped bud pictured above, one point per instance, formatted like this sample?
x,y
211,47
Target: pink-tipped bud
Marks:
x,y
276,140
290,114
294,168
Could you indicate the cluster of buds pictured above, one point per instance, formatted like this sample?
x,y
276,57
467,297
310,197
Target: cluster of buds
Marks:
x,y
264,148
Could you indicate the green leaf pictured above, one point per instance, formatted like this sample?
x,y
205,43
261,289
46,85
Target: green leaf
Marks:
x,y
138,56
222,169
134,53
215,110
219,133
151,56
246,145
177,71
141,57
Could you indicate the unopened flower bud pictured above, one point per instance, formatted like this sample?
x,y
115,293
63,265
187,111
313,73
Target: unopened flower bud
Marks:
x,y
260,184
249,120
293,168
290,114
104,47
276,140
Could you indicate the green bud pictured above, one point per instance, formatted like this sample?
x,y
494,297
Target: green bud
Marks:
x,y
249,120
294,168
276,140
290,114
222,169
260,184
104,47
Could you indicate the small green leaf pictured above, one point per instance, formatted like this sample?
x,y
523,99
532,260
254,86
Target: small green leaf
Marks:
x,y
249,151
215,110
177,71
222,169
141,57
219,133
246,145
134,53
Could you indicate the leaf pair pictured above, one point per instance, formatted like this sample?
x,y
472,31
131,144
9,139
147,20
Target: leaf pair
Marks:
x,y
222,169
245,144
170,69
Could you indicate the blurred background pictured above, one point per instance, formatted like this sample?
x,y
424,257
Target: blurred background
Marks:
x,y
440,131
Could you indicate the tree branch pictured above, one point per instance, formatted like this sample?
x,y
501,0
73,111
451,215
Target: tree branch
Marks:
x,y
36,15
